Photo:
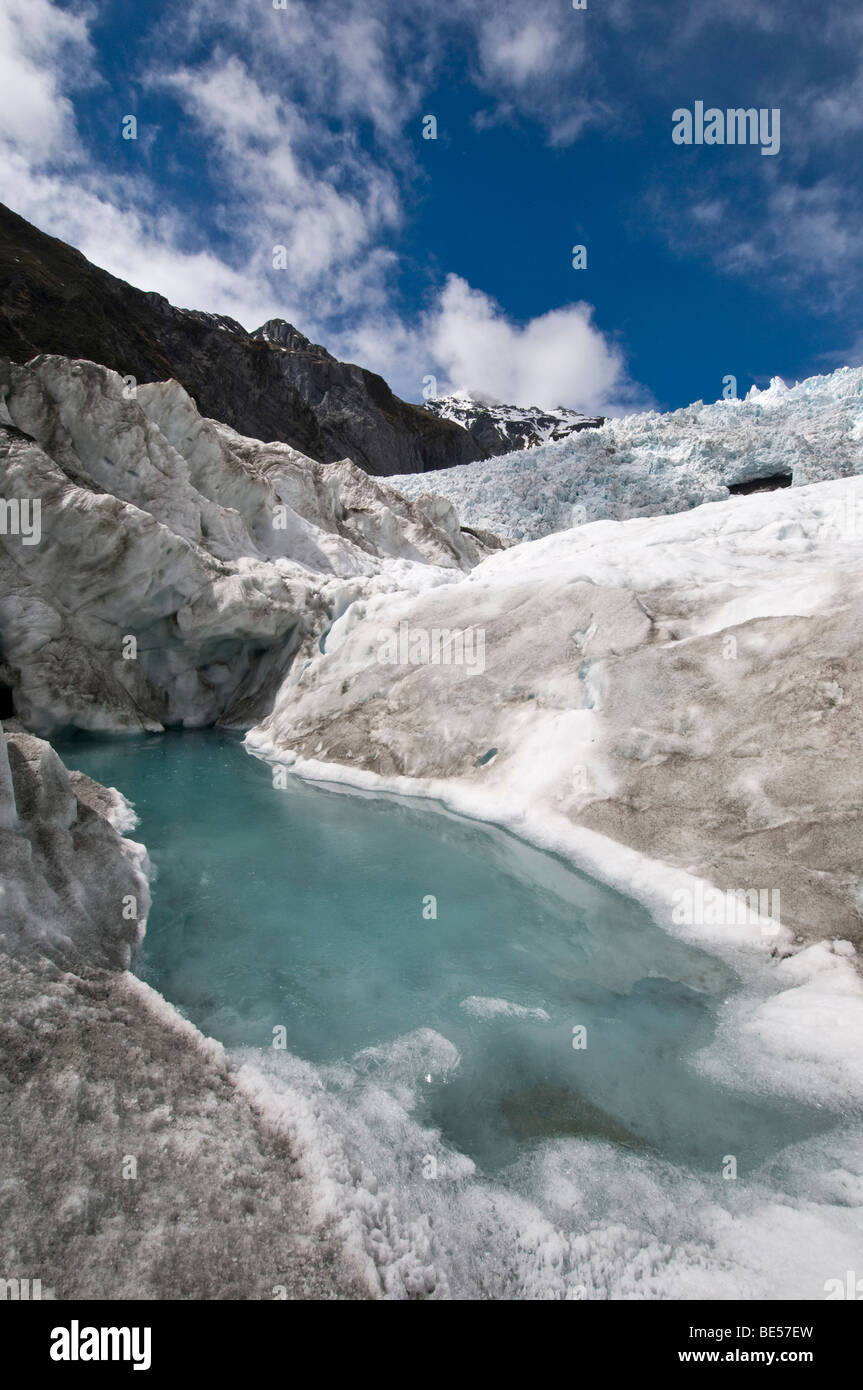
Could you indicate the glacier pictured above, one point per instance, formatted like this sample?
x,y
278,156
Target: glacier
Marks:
x,y
223,558
670,699
671,703
648,464
687,685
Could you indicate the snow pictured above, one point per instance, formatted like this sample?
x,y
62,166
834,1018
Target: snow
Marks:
x,y
674,703
480,1007
644,465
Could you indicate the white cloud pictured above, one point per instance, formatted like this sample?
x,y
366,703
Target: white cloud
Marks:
x,y
277,107
538,64
516,51
467,343
36,118
801,239
351,60
558,358
291,183
101,219
805,235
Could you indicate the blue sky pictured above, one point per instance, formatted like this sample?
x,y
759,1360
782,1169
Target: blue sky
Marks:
x,y
302,127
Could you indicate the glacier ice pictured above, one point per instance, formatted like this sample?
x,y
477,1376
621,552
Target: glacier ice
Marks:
x,y
223,558
72,885
685,685
671,698
644,465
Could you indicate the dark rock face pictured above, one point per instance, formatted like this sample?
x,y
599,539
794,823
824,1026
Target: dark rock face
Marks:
x,y
272,384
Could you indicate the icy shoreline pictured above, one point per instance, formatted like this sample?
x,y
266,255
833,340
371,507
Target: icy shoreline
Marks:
x,y
133,1165
824,974
792,1029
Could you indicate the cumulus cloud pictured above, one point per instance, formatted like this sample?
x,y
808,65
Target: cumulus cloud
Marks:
x,y
466,342
559,358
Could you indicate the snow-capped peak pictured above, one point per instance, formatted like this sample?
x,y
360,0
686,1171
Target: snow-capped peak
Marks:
x,y
500,429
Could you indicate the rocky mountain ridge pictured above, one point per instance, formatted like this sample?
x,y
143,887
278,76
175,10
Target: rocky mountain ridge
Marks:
x,y
271,384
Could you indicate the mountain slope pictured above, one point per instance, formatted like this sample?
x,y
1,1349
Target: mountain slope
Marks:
x,y
272,384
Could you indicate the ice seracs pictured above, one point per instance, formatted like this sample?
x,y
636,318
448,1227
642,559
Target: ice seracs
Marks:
x,y
648,464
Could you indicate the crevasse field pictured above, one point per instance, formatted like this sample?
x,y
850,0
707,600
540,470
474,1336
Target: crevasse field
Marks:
x,y
644,465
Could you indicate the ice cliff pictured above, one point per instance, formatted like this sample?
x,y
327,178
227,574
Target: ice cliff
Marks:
x,y
181,567
72,885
